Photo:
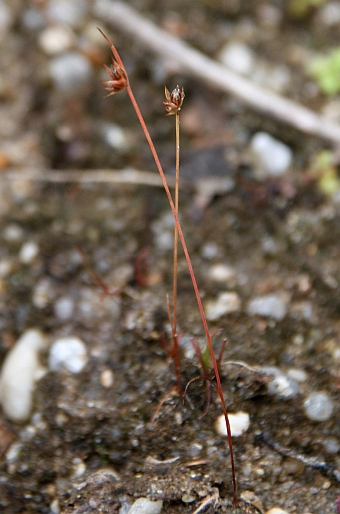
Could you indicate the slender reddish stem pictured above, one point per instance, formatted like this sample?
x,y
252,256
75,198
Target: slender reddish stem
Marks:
x,y
189,264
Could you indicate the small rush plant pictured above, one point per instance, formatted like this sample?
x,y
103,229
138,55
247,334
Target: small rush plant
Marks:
x,y
119,81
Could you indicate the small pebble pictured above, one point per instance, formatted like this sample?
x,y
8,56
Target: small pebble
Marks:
x,y
115,137
64,308
273,156
146,506
238,57
331,445
318,407
107,378
18,375
43,293
70,72
210,251
68,353
56,39
28,252
225,303
223,274
269,306
13,233
70,13
276,510
281,385
239,423
330,13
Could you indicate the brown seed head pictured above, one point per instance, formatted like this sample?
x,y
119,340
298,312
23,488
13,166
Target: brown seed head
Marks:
x,y
118,78
173,101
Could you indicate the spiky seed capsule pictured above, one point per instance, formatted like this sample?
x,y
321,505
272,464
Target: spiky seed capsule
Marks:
x,y
174,100
118,78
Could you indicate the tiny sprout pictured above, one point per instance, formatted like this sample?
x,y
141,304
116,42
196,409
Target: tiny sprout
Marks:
x,y
118,78
173,101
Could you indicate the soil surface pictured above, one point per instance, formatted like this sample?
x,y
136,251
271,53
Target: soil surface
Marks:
x,y
89,445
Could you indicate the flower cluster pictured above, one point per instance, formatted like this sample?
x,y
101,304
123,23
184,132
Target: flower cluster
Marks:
x,y
118,78
173,101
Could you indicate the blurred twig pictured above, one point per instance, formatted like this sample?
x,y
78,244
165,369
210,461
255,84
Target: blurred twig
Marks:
x,y
127,176
124,18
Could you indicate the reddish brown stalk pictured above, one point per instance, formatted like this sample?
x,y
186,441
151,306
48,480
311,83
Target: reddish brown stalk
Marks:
x,y
106,289
188,260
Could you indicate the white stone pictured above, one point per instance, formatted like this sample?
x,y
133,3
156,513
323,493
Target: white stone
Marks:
x,y
330,13
115,137
146,506
43,293
225,303
64,11
70,72
238,57
18,374
56,39
13,233
269,306
281,385
276,510
222,273
68,353
28,252
64,308
318,406
239,423
107,378
273,156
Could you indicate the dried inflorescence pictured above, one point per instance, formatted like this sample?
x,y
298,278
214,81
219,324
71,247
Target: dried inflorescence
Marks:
x,y
173,101
118,78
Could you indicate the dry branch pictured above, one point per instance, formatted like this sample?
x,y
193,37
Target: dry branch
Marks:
x,y
124,18
127,176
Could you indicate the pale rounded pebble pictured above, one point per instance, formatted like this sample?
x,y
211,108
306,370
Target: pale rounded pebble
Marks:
x,y
107,378
146,506
64,11
239,423
273,156
79,467
64,308
298,375
238,57
318,407
188,498
281,385
276,510
115,137
210,251
68,353
28,252
6,267
56,39
13,233
18,374
70,72
269,306
330,13
222,273
32,19
331,445
225,303
43,293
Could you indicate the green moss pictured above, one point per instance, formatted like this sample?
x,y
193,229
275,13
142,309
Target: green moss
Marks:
x,y
326,71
